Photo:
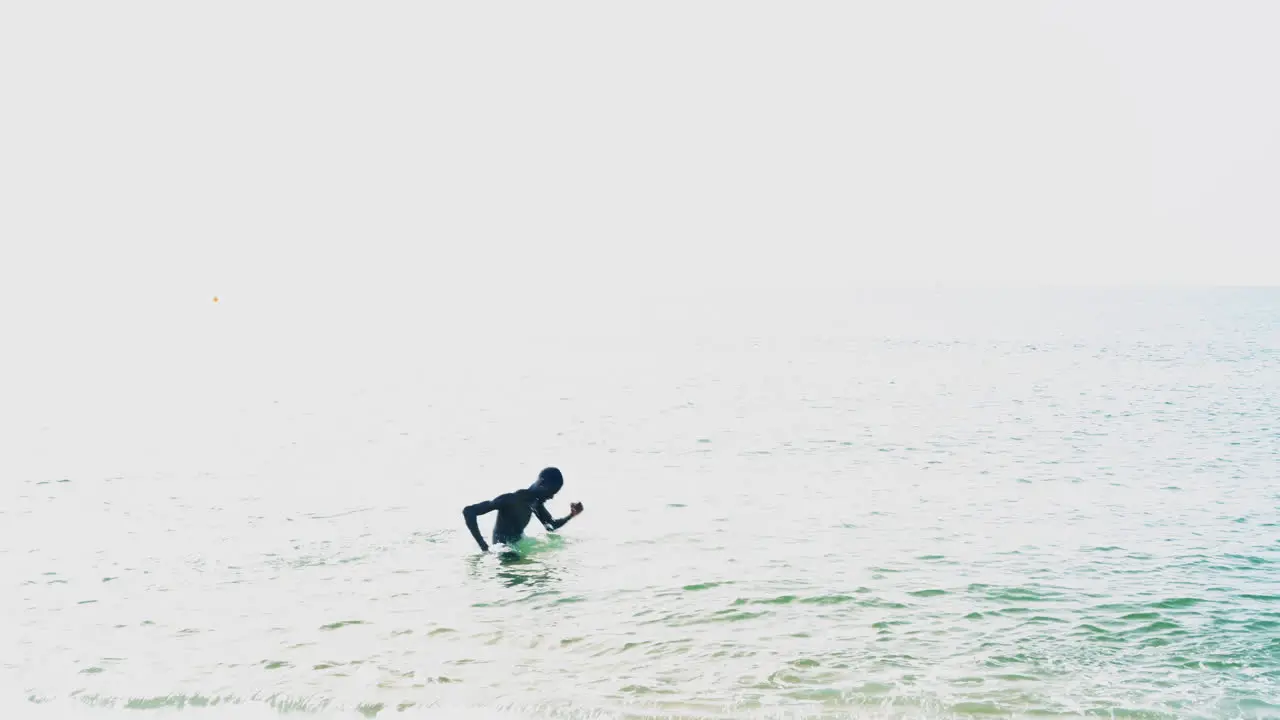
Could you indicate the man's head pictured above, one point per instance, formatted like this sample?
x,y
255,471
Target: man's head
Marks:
x,y
549,482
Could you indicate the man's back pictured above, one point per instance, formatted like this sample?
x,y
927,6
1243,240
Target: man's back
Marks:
x,y
514,511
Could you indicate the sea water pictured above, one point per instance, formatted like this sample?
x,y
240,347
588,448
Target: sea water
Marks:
x,y
910,504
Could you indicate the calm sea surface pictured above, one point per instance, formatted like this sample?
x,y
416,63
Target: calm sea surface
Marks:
x,y
1028,504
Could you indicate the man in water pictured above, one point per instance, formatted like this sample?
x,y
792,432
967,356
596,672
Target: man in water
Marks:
x,y
515,508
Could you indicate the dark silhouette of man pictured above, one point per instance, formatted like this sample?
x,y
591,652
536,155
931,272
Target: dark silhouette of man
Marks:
x,y
515,509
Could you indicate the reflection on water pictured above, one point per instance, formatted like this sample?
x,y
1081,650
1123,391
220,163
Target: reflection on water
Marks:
x,y
528,562
526,572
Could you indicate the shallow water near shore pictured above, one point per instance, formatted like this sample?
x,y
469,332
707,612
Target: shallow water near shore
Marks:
x,y
904,505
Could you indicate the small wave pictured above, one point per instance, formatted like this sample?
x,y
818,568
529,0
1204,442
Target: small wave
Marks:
x,y
1182,602
780,600
828,599
1158,626
341,624
702,586
1142,616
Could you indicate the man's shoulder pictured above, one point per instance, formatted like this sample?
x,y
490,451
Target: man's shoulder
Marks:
x,y
521,496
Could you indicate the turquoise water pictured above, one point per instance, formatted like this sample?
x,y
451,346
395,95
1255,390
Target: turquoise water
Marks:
x,y
888,505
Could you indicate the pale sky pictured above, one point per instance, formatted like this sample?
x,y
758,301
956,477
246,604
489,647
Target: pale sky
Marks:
x,y
280,154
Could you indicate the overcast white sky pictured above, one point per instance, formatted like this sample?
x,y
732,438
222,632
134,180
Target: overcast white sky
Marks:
x,y
379,192
280,154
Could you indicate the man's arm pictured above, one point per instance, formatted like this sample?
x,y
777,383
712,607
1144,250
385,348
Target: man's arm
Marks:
x,y
470,512
550,523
